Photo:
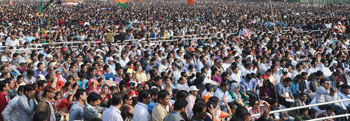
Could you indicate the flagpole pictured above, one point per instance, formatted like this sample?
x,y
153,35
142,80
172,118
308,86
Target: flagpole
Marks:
x,y
273,17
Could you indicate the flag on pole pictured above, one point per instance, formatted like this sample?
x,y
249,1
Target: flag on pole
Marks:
x,y
41,7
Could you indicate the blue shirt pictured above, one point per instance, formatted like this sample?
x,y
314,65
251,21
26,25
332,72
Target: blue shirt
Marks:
x,y
76,112
108,76
150,106
343,96
319,92
249,85
80,84
282,89
294,87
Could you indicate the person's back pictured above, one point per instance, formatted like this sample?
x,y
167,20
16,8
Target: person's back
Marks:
x,y
141,109
11,113
90,112
25,108
76,111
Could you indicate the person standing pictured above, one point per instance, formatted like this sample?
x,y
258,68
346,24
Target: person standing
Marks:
x,y
159,110
90,112
4,98
26,103
10,113
141,109
179,107
113,113
76,111
45,105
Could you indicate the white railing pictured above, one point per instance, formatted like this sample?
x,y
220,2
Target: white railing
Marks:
x,y
329,117
300,107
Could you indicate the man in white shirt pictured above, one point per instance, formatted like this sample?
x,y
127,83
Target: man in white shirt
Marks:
x,y
236,75
141,109
12,41
113,112
182,85
223,91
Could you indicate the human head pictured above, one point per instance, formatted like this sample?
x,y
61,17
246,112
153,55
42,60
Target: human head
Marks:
x,y
94,99
20,90
117,99
345,89
224,86
163,97
49,93
182,95
303,96
199,110
312,113
5,86
144,96
29,90
287,82
81,95
180,105
154,94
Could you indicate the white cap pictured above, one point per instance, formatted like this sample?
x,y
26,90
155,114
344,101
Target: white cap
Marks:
x,y
98,50
48,56
109,59
193,88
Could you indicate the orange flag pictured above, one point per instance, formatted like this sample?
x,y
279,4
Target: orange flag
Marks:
x,y
190,2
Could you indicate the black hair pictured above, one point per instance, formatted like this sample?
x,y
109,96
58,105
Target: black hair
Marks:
x,y
198,108
41,83
93,97
180,103
78,93
143,94
162,94
3,84
182,94
214,99
40,116
154,91
116,99
20,89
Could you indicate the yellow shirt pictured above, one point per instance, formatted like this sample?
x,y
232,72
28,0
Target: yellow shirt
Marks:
x,y
159,112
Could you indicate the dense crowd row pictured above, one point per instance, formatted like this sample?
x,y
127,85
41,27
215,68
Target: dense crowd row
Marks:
x,y
226,60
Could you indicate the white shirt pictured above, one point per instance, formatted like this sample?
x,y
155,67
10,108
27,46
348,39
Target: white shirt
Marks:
x,y
10,42
112,114
141,113
182,87
219,94
226,65
123,62
236,77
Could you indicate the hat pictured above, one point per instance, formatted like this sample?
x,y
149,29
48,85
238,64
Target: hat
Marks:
x,y
193,88
109,59
98,50
48,56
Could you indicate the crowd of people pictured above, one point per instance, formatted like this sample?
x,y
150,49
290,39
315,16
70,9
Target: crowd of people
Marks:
x,y
165,60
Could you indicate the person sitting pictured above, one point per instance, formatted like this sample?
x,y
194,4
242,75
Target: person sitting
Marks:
x,y
329,112
284,94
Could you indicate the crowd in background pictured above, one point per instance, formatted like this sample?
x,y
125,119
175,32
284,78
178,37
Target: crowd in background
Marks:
x,y
158,60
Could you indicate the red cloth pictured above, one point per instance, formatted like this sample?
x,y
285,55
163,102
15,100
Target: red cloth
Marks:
x,y
4,99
